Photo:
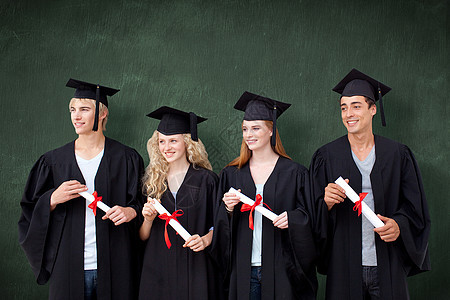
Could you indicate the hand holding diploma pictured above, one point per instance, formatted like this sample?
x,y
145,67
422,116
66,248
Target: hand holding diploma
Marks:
x,y
95,201
364,208
171,220
261,209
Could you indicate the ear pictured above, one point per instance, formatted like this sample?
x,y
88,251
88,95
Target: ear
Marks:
x,y
373,110
103,115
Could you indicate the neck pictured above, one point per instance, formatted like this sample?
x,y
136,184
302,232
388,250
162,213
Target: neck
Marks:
x,y
361,141
93,140
264,155
178,166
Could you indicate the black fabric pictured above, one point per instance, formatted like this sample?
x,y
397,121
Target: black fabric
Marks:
x,y
174,121
356,83
288,255
86,90
54,241
257,107
180,273
398,194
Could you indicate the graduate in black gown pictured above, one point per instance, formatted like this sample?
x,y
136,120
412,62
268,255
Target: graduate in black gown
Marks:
x,y
82,254
276,259
362,262
179,175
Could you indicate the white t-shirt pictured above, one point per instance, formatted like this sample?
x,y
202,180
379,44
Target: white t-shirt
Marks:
x,y
257,232
89,170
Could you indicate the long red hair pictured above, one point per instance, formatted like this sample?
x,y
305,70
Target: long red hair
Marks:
x,y
246,153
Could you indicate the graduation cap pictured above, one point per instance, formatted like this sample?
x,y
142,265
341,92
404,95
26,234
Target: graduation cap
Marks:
x,y
91,91
174,121
357,83
257,107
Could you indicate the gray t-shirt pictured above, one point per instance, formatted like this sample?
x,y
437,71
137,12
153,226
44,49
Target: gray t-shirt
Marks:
x,y
369,252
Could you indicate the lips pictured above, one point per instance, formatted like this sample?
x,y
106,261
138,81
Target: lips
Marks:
x,y
351,122
169,154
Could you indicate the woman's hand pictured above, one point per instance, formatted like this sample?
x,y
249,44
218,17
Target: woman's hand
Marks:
x,y
230,200
198,243
149,211
281,221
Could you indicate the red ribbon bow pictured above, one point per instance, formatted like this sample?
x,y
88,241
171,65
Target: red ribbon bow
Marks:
x,y
93,204
167,218
358,204
251,208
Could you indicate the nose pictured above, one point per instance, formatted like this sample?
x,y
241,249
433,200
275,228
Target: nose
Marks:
x,y
76,114
349,112
167,146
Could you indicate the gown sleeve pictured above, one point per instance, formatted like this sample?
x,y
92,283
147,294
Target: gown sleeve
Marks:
x,y
39,229
324,220
412,216
135,197
221,243
298,240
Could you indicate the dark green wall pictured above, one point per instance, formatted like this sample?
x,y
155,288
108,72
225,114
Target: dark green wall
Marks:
x,y
200,56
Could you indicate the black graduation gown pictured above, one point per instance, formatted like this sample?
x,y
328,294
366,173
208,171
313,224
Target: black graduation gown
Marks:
x,y
54,241
288,256
398,194
180,273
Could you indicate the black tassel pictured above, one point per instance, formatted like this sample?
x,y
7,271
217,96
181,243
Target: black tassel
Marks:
x,y
193,126
380,99
97,108
273,141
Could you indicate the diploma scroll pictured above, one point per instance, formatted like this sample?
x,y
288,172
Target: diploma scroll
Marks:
x,y
261,209
367,212
91,199
174,223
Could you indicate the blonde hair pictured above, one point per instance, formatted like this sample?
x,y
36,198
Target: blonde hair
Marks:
x,y
102,108
155,177
246,153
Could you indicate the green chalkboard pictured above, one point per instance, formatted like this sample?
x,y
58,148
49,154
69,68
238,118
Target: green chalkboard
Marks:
x,y
200,55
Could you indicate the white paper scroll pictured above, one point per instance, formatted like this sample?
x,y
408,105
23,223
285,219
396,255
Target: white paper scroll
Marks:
x,y
264,211
175,224
91,199
351,194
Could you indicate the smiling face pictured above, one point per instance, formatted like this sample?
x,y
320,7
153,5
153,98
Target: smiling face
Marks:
x,y
82,115
172,147
256,134
357,115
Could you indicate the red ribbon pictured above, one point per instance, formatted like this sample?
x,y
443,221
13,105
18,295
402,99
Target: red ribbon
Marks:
x,y
93,204
167,218
358,204
251,208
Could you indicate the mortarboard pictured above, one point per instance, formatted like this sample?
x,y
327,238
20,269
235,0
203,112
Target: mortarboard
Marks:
x,y
356,83
91,91
174,121
257,107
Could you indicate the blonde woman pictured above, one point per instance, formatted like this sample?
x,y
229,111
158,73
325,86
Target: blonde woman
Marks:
x,y
271,260
180,176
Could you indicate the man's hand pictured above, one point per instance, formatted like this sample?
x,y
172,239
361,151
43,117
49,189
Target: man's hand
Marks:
x,y
68,190
334,194
390,231
119,214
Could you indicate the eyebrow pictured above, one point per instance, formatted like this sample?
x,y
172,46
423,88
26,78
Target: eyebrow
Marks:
x,y
354,102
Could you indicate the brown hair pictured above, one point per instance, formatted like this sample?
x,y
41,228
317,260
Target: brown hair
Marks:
x,y
246,153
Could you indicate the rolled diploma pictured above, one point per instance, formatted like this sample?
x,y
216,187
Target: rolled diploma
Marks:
x,y
175,225
91,198
351,194
261,209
